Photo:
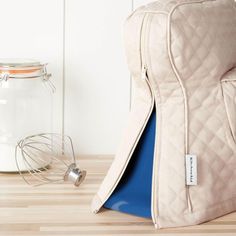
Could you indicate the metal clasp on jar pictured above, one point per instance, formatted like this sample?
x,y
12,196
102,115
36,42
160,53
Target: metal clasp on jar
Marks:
x,y
46,78
4,76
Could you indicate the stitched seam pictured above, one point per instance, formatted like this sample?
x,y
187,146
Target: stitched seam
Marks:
x,y
227,108
146,11
158,134
213,205
211,209
180,80
174,68
228,80
172,62
145,60
157,12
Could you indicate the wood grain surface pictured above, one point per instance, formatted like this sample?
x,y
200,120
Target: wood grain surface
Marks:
x,y
62,209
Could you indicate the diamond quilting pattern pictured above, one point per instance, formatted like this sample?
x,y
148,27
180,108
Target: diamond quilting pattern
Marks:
x,y
204,48
198,40
171,174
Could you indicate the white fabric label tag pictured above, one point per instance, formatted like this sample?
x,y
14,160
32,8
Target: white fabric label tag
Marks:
x,y
191,169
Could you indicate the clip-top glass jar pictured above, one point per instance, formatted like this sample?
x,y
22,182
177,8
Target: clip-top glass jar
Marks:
x,y
25,105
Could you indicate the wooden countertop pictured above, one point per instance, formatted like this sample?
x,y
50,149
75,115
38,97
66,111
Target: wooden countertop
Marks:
x,y
62,209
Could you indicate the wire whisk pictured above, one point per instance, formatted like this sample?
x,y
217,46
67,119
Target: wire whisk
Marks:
x,y
47,158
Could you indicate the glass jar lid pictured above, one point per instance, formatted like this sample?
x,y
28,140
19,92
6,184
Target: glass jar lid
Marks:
x,y
18,62
22,68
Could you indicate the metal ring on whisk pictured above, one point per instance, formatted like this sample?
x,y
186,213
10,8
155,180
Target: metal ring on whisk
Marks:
x,y
74,175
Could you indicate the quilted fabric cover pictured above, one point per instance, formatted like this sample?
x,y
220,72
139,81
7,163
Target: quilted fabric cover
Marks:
x,y
190,54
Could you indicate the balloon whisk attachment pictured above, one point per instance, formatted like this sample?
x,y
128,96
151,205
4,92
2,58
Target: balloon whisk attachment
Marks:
x,y
47,158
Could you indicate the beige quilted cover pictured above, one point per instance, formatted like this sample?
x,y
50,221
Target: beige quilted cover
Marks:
x,y
189,51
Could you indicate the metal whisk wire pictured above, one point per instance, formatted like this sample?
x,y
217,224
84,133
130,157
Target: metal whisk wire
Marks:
x,y
47,158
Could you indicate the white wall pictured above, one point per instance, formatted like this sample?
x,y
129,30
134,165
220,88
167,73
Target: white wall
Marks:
x,y
91,72
97,84
33,29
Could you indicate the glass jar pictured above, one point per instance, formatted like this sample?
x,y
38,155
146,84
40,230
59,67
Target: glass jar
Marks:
x,y
25,105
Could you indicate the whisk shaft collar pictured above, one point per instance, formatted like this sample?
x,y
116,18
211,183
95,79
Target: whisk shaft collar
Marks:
x,y
74,175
